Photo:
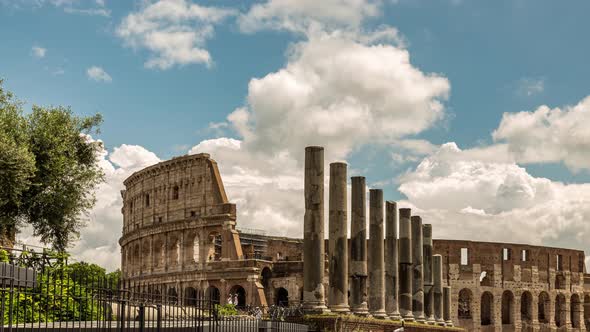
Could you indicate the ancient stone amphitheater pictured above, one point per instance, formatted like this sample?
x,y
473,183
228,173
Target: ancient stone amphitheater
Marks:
x,y
179,234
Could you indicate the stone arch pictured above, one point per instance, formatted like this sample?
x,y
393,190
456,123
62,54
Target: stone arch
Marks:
x,y
192,248
560,312
190,296
173,250
507,307
213,294
282,297
241,292
215,242
172,296
159,252
487,307
526,307
145,258
543,308
464,309
587,312
575,310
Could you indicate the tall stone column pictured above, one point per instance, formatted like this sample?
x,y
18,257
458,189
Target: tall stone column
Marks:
x,y
405,265
376,250
338,240
447,306
391,280
313,234
418,277
358,247
427,269
437,289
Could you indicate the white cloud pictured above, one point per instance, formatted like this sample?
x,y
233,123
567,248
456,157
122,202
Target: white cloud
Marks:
x,y
88,11
92,8
302,16
38,51
174,32
486,200
341,93
98,74
548,135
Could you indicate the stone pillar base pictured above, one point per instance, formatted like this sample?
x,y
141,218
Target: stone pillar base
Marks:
x,y
339,308
394,315
315,308
361,310
408,317
379,314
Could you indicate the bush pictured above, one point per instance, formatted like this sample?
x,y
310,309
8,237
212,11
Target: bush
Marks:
x,y
226,310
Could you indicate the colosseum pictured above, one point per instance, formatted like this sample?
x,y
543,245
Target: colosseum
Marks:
x,y
179,233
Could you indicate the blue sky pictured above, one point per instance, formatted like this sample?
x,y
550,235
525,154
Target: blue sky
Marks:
x,y
497,56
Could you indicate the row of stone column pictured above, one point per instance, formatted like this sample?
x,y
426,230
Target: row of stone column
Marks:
x,y
404,267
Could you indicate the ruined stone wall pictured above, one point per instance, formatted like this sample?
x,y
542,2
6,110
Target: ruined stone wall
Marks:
x,y
499,286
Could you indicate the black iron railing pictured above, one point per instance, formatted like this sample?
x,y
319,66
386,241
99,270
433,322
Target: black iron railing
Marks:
x,y
39,291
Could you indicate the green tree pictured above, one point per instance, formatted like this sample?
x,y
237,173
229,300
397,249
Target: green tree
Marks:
x,y
17,164
48,170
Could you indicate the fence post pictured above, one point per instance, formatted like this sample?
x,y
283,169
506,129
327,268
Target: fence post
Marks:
x,y
141,317
122,315
159,318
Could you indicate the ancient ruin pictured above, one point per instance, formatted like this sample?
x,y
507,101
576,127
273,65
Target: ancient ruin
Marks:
x,y
179,233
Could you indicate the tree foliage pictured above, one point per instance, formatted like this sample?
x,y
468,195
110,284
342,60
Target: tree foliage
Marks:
x,y
64,292
48,170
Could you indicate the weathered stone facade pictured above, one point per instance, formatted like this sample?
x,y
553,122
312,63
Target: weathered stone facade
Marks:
x,y
179,232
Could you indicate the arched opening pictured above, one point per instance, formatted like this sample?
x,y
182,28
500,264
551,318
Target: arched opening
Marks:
x,y
265,277
543,308
507,307
464,305
190,296
485,280
487,305
173,251
575,310
587,312
213,294
159,252
172,297
526,307
175,192
560,312
136,258
215,243
191,248
282,296
145,259
155,294
241,295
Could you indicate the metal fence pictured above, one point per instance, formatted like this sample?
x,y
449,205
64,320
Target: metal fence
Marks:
x,y
42,292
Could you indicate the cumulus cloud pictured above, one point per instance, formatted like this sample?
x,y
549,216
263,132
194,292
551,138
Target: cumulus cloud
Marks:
x,y
548,135
174,32
38,51
301,16
98,74
341,93
470,198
